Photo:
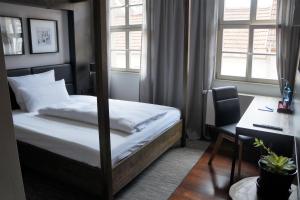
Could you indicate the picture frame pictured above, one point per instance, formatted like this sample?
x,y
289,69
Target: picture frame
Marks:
x,y
43,36
12,35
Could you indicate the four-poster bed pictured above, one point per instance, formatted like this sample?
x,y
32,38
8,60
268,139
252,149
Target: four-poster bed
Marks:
x,y
76,172
108,179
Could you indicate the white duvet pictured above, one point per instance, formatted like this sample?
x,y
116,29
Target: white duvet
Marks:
x,y
126,116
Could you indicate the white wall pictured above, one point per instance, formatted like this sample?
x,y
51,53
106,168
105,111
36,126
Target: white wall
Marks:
x,y
11,185
124,85
30,60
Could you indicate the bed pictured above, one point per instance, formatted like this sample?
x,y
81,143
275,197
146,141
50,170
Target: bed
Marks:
x,y
69,150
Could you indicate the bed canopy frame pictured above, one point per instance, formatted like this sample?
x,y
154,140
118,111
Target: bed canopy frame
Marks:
x,y
124,170
99,18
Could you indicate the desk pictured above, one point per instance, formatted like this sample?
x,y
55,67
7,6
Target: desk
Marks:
x,y
287,122
255,116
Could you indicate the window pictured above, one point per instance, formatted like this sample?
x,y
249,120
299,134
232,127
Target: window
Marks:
x,y
247,41
126,18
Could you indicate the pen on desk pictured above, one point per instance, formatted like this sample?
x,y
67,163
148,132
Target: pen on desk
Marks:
x,y
268,127
267,110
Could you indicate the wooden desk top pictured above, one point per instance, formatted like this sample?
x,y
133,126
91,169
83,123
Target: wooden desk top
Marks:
x,y
253,115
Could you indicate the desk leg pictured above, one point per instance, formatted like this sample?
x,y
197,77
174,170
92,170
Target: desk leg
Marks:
x,y
235,153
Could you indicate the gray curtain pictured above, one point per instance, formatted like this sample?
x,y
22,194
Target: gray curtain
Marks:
x,y
177,65
288,38
202,60
163,63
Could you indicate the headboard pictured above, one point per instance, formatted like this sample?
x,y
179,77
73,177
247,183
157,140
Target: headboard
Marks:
x,y
62,71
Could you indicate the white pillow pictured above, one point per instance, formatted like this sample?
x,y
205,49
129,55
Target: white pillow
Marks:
x,y
29,81
38,97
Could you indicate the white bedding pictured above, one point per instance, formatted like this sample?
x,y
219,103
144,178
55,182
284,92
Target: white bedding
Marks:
x,y
79,141
126,116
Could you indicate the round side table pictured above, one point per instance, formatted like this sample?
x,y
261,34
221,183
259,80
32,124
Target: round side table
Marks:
x,y
245,189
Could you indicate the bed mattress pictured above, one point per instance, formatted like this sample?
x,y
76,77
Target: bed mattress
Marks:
x,y
79,141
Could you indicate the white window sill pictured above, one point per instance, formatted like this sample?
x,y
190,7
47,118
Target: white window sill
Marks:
x,y
124,71
250,88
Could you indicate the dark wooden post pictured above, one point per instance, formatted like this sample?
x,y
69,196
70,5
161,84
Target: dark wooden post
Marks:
x,y
186,67
100,28
10,166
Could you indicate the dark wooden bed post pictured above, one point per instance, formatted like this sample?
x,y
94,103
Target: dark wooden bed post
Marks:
x,y
186,46
100,31
11,167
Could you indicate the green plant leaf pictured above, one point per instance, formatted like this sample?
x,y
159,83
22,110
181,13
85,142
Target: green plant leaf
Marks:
x,y
273,162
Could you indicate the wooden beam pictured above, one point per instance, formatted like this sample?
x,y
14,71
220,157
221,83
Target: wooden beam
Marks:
x,y
185,71
11,184
100,29
42,3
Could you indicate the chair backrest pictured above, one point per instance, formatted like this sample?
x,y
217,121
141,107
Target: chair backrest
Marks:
x,y
227,105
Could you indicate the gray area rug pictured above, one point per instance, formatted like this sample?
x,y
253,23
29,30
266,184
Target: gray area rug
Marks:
x,y
161,179
157,182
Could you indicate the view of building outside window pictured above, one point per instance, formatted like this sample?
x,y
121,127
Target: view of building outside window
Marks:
x,y
126,17
248,45
248,39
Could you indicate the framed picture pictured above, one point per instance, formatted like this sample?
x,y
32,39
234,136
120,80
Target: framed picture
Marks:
x,y
12,35
43,36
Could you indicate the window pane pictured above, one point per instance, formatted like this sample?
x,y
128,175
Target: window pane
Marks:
x,y
135,59
117,16
135,40
118,40
233,64
115,3
264,41
264,66
266,9
118,59
235,40
237,10
135,14
134,2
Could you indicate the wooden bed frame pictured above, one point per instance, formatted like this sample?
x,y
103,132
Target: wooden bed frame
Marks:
x,y
80,174
88,178
129,168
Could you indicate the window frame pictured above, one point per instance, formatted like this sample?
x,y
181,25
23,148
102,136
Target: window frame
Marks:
x,y
127,28
251,25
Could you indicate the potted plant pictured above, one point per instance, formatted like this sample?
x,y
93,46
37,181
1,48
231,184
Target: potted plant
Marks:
x,y
276,174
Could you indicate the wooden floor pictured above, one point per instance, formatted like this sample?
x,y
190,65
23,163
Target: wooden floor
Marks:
x,y
205,182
